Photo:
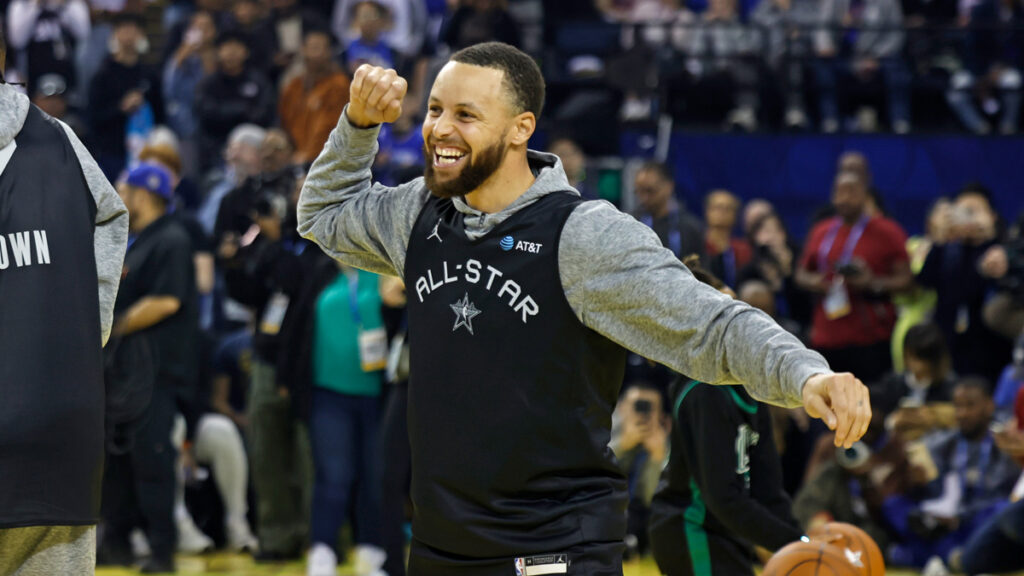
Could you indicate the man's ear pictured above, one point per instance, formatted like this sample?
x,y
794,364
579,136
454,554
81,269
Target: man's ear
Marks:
x,y
523,127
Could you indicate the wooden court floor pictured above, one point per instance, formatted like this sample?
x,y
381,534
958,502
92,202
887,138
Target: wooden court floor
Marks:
x,y
225,564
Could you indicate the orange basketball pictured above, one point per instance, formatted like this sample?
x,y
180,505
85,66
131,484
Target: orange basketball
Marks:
x,y
809,559
859,548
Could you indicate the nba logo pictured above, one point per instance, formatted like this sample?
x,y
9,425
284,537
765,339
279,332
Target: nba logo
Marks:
x,y
520,567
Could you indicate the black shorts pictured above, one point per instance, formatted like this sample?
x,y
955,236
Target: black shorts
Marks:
x,y
710,554
589,559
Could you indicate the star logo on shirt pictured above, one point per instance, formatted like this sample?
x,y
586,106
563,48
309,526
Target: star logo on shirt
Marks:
x,y
465,311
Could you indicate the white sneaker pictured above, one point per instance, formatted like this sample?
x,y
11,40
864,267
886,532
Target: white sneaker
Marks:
x,y
935,567
321,561
240,536
190,539
139,543
369,560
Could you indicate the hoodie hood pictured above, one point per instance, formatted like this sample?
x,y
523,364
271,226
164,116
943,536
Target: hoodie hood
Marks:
x,y
13,110
550,178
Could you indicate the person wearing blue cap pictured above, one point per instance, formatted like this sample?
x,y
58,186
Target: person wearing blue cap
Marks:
x,y
157,298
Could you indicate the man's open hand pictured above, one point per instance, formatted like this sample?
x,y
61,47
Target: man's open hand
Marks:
x,y
842,401
375,96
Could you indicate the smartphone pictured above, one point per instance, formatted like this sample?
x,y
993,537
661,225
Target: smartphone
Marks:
x,y
848,270
193,37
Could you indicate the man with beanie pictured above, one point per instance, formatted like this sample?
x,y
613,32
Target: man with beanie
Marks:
x,y
157,298
62,242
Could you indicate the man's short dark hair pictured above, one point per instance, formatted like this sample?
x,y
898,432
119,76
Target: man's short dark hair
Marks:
x,y
660,168
926,342
978,383
523,79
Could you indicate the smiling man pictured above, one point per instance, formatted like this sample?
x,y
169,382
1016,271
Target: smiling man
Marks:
x,y
523,300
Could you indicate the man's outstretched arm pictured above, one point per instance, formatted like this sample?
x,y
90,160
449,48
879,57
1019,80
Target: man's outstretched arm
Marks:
x,y
357,222
623,284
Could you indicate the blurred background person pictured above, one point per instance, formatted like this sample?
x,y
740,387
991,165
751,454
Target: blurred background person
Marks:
x,y
311,102
660,209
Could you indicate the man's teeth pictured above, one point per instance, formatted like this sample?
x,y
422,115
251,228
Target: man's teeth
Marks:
x,y
448,156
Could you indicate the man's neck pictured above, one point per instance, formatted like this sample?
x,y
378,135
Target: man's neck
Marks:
x,y
851,220
127,58
719,237
146,219
975,435
665,209
503,187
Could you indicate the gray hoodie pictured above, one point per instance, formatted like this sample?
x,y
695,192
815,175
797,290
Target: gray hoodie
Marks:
x,y
110,237
617,277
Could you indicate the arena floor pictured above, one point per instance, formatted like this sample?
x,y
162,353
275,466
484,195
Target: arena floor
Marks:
x,y
242,565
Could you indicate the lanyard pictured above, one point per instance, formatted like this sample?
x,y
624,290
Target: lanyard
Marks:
x,y
960,461
675,238
729,266
851,242
353,298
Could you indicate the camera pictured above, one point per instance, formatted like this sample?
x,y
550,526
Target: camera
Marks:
x,y
853,457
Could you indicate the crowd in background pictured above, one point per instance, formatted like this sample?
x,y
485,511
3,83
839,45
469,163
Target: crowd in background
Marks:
x,y
208,114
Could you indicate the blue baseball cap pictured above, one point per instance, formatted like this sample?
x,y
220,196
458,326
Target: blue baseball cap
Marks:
x,y
152,178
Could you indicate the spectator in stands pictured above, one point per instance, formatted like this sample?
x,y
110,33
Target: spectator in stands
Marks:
x,y
476,21
344,374
266,275
216,444
276,178
399,150
311,103
122,92
790,28
753,210
918,401
774,263
727,254
156,298
44,36
917,304
973,482
574,162
193,60
641,425
51,96
857,162
953,271
723,60
854,262
843,490
249,22
234,94
371,19
658,208
405,27
993,547
865,48
288,18
994,50
1004,312
241,161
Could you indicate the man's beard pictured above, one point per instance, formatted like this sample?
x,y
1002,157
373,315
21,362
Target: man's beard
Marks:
x,y
476,171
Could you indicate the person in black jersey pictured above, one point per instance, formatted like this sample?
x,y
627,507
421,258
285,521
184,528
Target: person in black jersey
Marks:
x,y
522,302
722,490
63,232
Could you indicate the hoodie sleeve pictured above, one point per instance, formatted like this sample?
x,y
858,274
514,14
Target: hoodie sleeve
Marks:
x,y
355,221
110,237
622,283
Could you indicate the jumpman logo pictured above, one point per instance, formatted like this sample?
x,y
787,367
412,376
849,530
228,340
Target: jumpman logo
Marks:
x,y
436,233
